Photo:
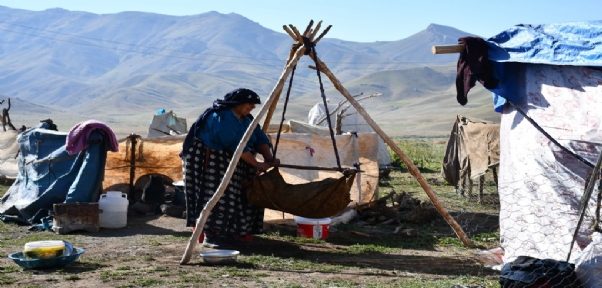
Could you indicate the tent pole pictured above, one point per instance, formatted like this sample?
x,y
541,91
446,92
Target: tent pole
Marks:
x,y
268,117
298,38
411,167
587,194
447,49
235,158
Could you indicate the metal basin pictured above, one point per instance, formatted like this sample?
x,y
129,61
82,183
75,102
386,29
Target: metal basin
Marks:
x,y
220,257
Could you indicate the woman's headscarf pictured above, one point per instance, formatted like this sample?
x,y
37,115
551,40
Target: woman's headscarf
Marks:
x,y
231,100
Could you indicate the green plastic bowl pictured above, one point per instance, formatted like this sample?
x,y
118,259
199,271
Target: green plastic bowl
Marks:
x,y
42,263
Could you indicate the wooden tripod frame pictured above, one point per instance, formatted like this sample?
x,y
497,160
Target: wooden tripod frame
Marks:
x,y
414,171
297,51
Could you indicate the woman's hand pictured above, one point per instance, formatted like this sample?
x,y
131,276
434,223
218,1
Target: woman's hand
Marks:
x,y
274,162
262,166
268,158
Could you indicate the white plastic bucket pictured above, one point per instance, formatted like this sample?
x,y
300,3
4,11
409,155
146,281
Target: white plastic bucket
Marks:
x,y
114,209
313,228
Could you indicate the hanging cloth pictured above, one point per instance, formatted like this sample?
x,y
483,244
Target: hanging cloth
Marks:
x,y
324,198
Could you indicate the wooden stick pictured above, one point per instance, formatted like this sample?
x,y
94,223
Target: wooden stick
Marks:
x,y
200,223
308,28
299,37
447,49
315,31
322,35
372,204
411,167
360,233
313,167
290,33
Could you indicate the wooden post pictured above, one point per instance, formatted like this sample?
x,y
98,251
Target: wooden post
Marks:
x,y
200,223
338,124
411,167
481,186
133,139
470,184
447,49
463,180
6,117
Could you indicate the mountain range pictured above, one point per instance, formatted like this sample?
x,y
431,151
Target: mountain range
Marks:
x,y
121,68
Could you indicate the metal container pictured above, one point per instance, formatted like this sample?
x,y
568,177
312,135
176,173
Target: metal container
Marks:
x,y
220,257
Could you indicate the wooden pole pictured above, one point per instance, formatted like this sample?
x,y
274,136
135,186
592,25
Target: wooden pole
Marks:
x,y
272,107
411,167
133,140
297,37
290,32
200,223
322,35
308,28
312,35
312,167
447,49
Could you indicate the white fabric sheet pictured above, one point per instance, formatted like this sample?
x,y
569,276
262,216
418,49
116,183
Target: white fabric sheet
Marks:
x,y
9,148
317,151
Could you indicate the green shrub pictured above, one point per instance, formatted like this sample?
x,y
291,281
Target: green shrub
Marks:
x,y
426,154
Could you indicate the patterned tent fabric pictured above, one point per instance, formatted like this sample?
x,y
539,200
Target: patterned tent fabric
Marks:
x,y
552,73
540,185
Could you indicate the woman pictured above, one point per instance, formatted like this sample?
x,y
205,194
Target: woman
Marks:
x,y
206,154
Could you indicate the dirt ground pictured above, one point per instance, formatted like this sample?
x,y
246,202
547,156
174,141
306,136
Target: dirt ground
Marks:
x,y
148,252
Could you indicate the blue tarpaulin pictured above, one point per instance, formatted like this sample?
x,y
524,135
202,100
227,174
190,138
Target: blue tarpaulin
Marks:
x,y
49,175
570,43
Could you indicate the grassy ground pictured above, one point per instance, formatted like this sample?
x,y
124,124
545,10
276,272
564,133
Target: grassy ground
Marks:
x,y
147,253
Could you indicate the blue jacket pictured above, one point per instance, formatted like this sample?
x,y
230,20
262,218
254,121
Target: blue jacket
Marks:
x,y
224,130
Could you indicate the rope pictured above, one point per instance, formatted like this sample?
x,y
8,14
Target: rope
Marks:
x,y
311,49
598,206
288,93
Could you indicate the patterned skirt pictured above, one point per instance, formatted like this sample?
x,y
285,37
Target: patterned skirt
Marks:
x,y
203,171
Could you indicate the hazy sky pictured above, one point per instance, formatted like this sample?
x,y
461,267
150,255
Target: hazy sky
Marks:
x,y
355,20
